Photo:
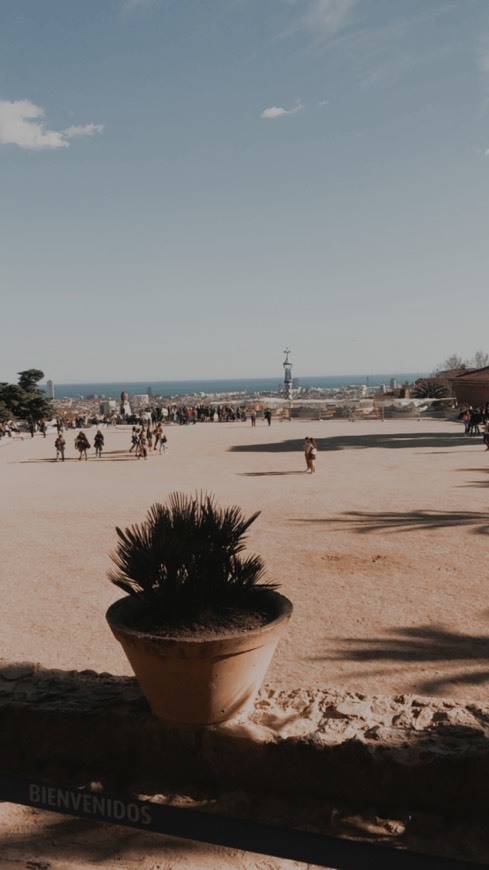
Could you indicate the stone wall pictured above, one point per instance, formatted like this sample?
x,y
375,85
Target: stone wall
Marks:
x,y
427,754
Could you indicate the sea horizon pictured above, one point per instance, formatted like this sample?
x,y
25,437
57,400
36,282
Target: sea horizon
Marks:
x,y
175,388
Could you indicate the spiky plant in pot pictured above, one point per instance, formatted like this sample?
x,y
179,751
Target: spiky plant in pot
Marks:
x,y
185,563
199,626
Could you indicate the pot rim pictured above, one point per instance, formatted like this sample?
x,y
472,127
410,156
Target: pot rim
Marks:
x,y
121,608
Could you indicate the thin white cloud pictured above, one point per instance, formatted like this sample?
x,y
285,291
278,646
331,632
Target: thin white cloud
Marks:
x,y
375,52
85,130
279,111
22,124
325,19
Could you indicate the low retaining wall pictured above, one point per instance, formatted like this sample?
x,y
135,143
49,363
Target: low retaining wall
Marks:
x,y
426,754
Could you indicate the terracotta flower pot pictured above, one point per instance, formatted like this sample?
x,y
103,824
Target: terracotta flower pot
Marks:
x,y
192,681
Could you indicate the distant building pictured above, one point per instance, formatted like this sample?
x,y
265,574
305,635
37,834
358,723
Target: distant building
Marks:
x,y
471,387
140,400
107,406
50,389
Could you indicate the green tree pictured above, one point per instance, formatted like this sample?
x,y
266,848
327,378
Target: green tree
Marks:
x,y
29,379
14,398
25,400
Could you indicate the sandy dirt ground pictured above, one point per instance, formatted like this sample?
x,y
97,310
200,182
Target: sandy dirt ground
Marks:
x,y
382,551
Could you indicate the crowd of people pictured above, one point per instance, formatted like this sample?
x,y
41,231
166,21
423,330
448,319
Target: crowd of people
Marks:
x,y
147,426
210,413
143,441
180,414
183,415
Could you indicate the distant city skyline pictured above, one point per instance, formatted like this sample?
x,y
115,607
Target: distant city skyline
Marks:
x,y
273,384
188,188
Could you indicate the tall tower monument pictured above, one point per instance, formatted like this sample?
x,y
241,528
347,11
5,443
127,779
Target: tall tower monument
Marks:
x,y
287,375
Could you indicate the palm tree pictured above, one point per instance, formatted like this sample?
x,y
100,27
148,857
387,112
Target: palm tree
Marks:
x,y
431,390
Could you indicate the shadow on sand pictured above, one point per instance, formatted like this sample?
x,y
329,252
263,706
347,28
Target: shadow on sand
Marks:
x,y
93,843
363,522
107,456
422,645
422,440
475,483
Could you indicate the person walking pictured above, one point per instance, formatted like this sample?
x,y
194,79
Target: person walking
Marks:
x,y
142,449
313,449
60,445
134,439
253,417
158,434
160,438
98,443
82,444
268,416
310,453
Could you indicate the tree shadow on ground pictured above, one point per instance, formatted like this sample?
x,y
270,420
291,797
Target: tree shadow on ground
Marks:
x,y
422,644
363,522
475,483
355,442
438,452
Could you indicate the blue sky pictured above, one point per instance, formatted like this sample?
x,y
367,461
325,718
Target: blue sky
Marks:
x,y
187,187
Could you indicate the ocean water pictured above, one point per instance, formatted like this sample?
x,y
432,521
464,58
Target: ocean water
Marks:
x,y
229,385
